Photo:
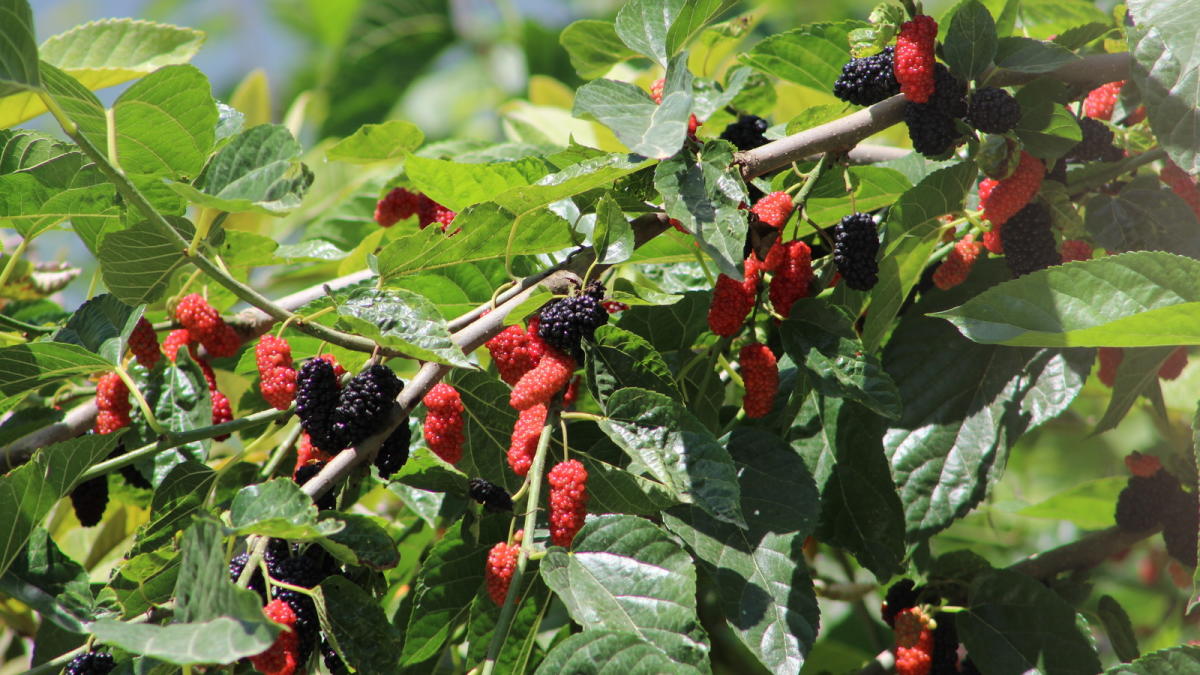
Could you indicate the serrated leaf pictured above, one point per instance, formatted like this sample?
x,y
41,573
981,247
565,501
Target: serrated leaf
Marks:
x,y
764,585
874,188
1119,628
102,325
205,591
1162,43
257,171
691,19
1136,375
670,328
18,49
28,492
487,428
401,320
49,582
456,185
1014,624
811,55
179,396
32,207
676,449
610,234
612,489
278,508
1174,661
176,498
370,643
1047,130
1089,505
1026,55
971,41
611,652
596,172
166,123
362,541
145,580
391,140
704,194
221,640
137,263
593,47
618,359
643,26
708,98
25,368
1144,215
1043,18
426,471
646,128
624,573
1150,302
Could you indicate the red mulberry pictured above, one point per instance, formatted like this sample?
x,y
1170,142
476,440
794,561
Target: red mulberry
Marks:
x,y
914,58
760,374
307,453
525,435
283,656
538,386
1101,101
112,404
430,212
277,377
730,306
206,326
175,340
501,564
568,500
1173,366
144,344
515,352
1141,464
222,412
1110,360
396,206
957,265
444,422
1000,200
773,209
914,643
1075,249
1182,185
793,274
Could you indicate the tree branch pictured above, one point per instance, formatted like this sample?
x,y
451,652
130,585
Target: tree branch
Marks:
x,y
77,421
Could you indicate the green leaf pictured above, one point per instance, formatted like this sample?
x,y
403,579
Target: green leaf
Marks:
x,y
25,368
391,140
619,359
671,328
426,471
625,574
489,231
80,104
820,338
33,207
612,489
179,396
110,51
1046,129
1079,36
1174,661
1149,302
101,325
1089,505
278,508
593,47
1043,18
363,541
691,19
643,26
28,492
874,188
676,449
145,580
971,40
811,55
401,320
1119,628
257,171
1144,215
221,640
1026,55
166,123
611,234
646,128
611,652
18,49
1162,42
54,585
370,643
765,587
520,649
1137,375
137,263
204,591
487,429
597,172
457,186
704,193
1014,624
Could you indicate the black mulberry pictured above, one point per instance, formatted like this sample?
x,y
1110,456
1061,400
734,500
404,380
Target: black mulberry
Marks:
x,y
90,498
993,111
932,132
949,93
304,571
1027,240
1144,501
91,663
746,133
1181,521
1097,143
855,245
316,400
333,662
868,80
394,451
493,497
565,322
900,596
364,404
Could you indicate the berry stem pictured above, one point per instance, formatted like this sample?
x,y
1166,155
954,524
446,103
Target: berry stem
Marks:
x,y
12,261
531,511
582,416
147,411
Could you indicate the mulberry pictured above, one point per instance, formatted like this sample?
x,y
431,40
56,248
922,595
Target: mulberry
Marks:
x,y
1102,100
501,564
112,404
430,212
305,473
1173,365
316,399
564,323
614,307
914,643
306,572
731,304
91,663
394,451
1000,200
656,93
444,422
175,340
914,58
957,265
1074,249
144,344
222,411
493,497
1110,360
283,656
1182,185
307,453
1028,241
568,500
760,374
206,326
396,206
1141,464
793,274
89,499
949,93
1096,144
525,435
277,377
515,352
932,132
333,662
855,245
1181,520
747,132
868,80
993,111
364,405
900,596
538,386
1144,502
773,209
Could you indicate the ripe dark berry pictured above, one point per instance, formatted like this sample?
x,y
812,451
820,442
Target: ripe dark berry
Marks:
x,y
501,564
515,352
538,386
443,427
1181,520
760,374
993,111
868,80
144,344
328,501
91,663
914,643
932,132
89,500
1141,464
568,500
333,662
1144,501
277,377
945,646
364,404
773,209
1097,143
303,571
493,497
958,263
283,656
949,93
1028,242
565,322
914,58
316,398
793,274
901,596
394,451
746,133
855,245
525,435
1000,200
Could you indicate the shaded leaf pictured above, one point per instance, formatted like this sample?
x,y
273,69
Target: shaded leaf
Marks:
x,y
593,47
704,194
619,359
370,643
102,325
401,320
811,55
1162,43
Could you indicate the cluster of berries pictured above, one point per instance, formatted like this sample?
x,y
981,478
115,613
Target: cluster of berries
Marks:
x,y
91,663
1153,497
401,203
1110,360
924,645
565,323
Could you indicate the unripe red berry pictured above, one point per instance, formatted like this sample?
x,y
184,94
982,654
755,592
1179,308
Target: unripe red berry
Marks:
x,y
914,643
1075,249
396,206
1001,200
730,306
1173,366
515,352
613,306
539,385
501,564
144,344
112,394
1141,464
1110,359
277,377
793,274
1101,101
206,326
957,265
175,340
760,374
444,422
1182,185
773,209
914,58
568,501
307,453
525,435
283,656
221,411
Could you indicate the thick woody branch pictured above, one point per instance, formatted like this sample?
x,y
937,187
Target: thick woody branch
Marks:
x,y
77,420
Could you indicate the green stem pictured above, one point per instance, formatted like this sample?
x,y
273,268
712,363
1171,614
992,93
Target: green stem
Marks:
x,y
147,411
280,453
582,416
12,261
801,198
17,324
531,508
